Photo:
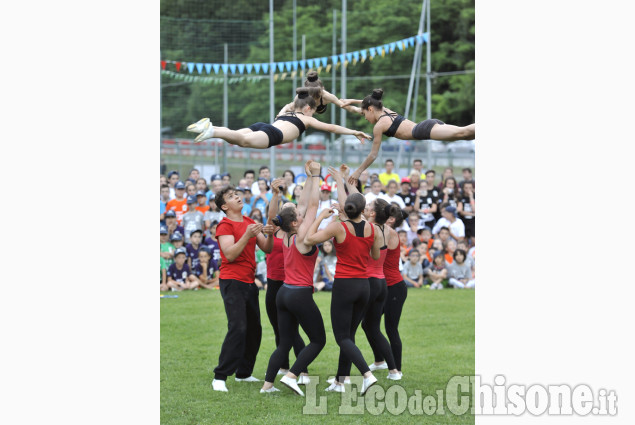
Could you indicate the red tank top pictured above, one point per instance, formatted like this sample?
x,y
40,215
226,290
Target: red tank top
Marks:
x,y
391,266
275,261
376,267
353,254
298,267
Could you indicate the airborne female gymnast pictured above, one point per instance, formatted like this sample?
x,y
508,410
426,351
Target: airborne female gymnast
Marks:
x,y
287,126
394,125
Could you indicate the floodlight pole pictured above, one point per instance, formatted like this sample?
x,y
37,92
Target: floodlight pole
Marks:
x,y
343,96
225,112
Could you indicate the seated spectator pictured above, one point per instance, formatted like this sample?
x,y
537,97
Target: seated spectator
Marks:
x,y
467,177
289,179
206,270
201,202
261,269
179,203
412,271
167,255
413,226
297,191
193,219
425,235
212,243
176,239
391,195
256,215
375,191
215,185
213,214
171,223
173,178
261,200
466,210
449,193
449,247
190,189
389,175
435,248
403,244
437,272
422,248
463,245
193,248
426,202
459,272
179,275
201,186
405,195
328,261
447,173
449,220
165,198
226,179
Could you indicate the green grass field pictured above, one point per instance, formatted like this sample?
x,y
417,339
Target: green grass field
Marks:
x,y
437,331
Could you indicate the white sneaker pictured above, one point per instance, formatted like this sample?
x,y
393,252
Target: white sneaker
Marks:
x,y
208,133
373,367
291,383
304,380
250,379
270,390
198,126
368,382
283,372
331,380
338,388
394,376
218,385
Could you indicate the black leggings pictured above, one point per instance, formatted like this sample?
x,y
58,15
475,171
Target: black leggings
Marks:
x,y
348,304
372,320
273,286
296,306
395,300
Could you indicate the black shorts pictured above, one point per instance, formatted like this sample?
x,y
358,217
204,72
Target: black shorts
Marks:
x,y
422,130
274,134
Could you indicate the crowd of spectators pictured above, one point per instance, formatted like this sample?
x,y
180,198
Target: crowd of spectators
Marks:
x,y
437,238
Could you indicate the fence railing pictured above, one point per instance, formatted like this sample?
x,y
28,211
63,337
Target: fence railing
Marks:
x,y
183,154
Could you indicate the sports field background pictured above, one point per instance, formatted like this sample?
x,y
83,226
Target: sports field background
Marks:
x,y
437,331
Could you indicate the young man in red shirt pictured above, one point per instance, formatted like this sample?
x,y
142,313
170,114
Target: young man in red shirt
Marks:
x,y
237,236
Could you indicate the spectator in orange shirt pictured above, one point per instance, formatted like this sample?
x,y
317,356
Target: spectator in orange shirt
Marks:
x,y
201,200
179,203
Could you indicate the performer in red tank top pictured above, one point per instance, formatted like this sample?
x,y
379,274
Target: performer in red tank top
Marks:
x,y
294,301
355,241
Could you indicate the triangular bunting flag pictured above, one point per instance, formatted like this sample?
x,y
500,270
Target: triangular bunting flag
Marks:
x,y
275,77
392,47
295,67
257,68
190,67
324,61
265,68
208,67
287,66
283,76
309,63
178,66
341,56
162,64
224,67
363,53
425,37
372,52
232,68
302,64
216,67
280,66
199,68
334,60
319,70
356,55
249,67
241,67
349,57
328,68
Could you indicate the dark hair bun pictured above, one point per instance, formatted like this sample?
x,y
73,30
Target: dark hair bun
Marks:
x,y
277,220
404,214
302,92
377,94
350,210
312,76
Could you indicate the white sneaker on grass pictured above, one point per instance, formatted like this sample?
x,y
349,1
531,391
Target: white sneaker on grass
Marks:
x,y
368,382
283,371
291,383
304,380
250,379
394,376
331,380
338,388
219,385
270,390
373,367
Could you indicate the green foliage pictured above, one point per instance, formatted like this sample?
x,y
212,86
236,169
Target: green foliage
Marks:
x,y
196,31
